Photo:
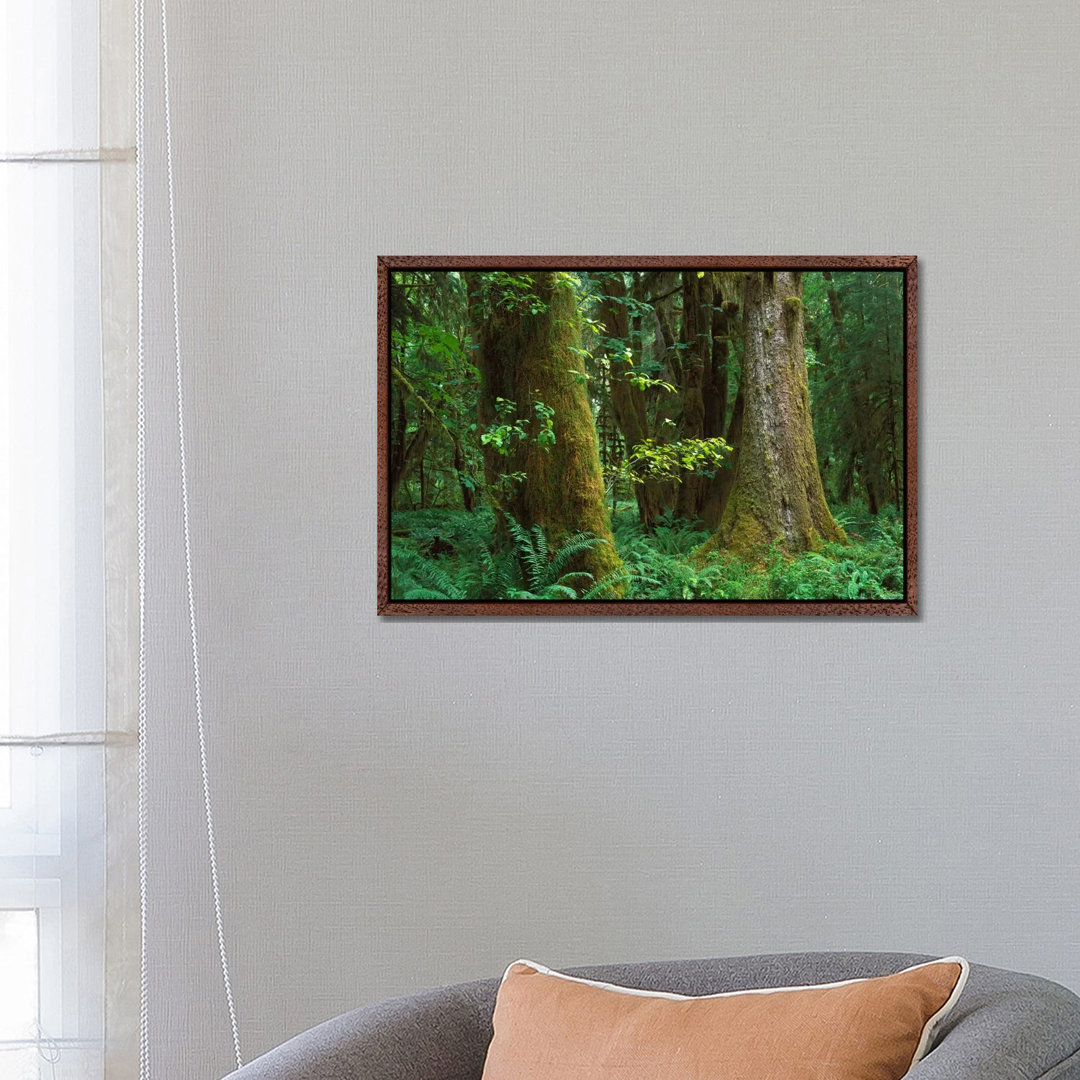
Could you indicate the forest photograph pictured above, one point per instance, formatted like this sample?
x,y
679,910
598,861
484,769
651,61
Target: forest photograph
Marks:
x,y
722,438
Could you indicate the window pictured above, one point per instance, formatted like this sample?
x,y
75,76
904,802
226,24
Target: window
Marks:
x,y
52,577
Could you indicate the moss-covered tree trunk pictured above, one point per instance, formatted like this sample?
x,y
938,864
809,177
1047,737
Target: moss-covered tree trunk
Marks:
x,y
527,356
777,493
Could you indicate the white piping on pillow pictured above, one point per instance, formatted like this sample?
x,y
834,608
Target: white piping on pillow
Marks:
x,y
921,1050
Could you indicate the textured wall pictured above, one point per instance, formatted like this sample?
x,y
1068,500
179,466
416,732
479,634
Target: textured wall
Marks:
x,y
406,803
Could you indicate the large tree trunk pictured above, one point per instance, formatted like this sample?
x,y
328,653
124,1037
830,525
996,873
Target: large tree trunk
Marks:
x,y
777,493
527,357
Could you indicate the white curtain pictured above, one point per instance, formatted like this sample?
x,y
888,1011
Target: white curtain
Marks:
x,y
62,241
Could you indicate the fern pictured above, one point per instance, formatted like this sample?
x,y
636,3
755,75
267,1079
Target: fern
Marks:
x,y
557,591
415,577
498,575
544,577
605,587
444,557
571,548
540,544
525,547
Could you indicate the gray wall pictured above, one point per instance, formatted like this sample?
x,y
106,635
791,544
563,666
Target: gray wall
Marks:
x,y
406,803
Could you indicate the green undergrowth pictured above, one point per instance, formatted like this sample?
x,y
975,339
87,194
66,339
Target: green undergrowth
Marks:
x,y
454,555
869,567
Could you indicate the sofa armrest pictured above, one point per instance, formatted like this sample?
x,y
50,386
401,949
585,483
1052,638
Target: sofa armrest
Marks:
x,y
441,1034
1007,1026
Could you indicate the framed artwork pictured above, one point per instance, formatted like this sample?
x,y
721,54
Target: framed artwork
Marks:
x,y
647,435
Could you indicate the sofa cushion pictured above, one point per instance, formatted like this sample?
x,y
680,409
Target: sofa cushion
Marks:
x,y
552,1026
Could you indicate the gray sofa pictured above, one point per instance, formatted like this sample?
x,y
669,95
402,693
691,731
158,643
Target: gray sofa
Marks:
x,y
1006,1026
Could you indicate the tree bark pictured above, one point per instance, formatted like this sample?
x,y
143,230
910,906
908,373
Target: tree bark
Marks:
x,y
527,357
777,495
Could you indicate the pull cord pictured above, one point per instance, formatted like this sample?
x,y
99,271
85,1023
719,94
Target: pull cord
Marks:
x,y
140,98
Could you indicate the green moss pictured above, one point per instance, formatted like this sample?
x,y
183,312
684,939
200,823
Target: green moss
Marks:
x,y
531,356
747,536
777,498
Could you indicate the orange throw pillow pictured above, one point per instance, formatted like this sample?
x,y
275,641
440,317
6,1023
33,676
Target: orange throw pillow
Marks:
x,y
550,1026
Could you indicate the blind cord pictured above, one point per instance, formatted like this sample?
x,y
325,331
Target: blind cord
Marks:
x,y
197,679
140,214
140,455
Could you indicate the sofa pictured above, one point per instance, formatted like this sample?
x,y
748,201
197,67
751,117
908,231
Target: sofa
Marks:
x,y
1006,1026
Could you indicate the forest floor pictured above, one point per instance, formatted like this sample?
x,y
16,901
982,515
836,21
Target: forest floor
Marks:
x,y
444,554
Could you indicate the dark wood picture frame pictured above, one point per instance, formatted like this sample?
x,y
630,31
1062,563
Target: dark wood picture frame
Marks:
x,y
907,264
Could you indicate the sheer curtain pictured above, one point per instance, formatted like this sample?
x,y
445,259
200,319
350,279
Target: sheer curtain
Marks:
x,y
64,204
